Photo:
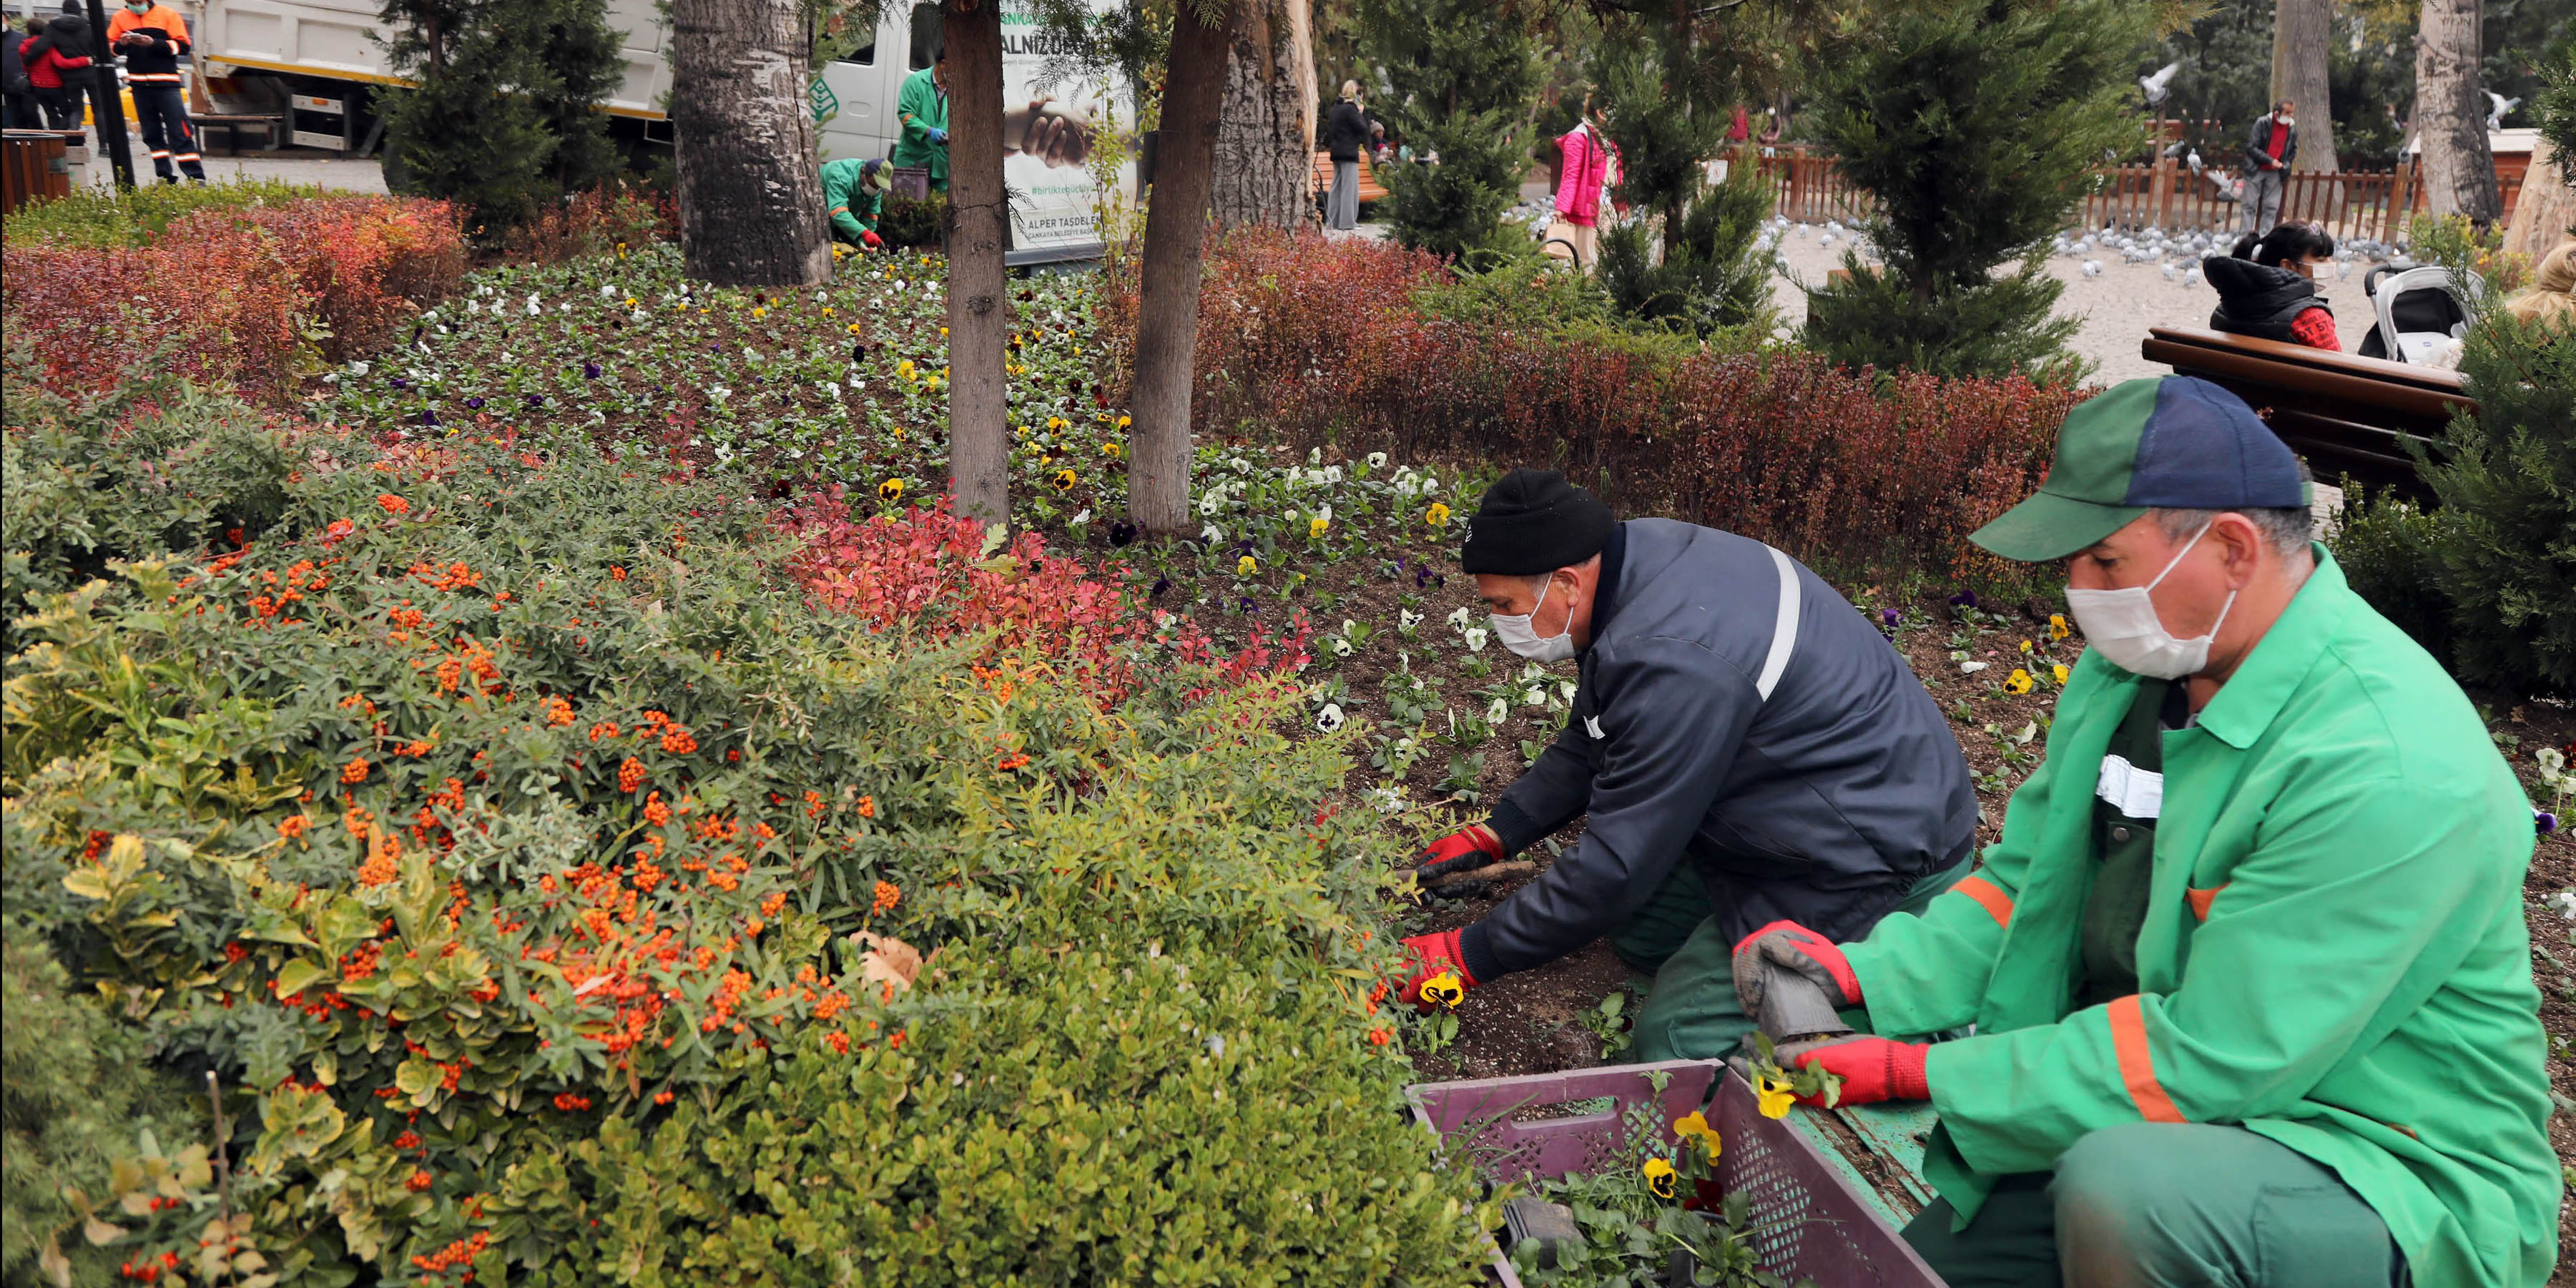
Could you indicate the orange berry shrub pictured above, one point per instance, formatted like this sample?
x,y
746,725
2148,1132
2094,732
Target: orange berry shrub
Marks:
x,y
518,832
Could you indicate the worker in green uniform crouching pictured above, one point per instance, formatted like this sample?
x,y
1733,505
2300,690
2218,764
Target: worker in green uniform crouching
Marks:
x,y
2248,970
854,198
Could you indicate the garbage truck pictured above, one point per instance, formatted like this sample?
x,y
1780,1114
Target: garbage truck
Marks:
x,y
317,62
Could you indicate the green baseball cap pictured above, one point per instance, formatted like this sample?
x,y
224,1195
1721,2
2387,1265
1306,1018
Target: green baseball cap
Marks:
x,y
2173,442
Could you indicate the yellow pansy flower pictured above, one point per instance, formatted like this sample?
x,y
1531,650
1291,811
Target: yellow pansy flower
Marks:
x,y
1065,479
2018,682
1112,450
891,489
1694,1126
1444,989
1246,566
2057,629
1659,1177
1773,1096
1315,527
1438,515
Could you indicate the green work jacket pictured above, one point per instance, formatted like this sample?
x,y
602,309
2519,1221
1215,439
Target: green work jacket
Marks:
x,y
2334,953
922,107
852,208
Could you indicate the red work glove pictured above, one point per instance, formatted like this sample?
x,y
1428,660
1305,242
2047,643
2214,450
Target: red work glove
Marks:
x,y
1788,946
1872,1070
869,238
1431,956
1465,849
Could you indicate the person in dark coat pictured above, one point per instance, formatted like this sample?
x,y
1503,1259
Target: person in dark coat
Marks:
x,y
18,108
1745,746
2268,287
1346,131
2271,144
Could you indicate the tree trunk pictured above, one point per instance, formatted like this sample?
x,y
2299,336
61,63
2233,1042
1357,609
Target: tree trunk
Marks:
x,y
2545,210
2451,114
1158,481
750,192
979,212
1265,146
2302,32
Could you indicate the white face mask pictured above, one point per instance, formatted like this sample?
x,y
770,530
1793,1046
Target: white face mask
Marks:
x,y
2123,625
1519,636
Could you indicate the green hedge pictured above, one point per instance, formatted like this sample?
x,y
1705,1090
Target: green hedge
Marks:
x,y
493,816
103,218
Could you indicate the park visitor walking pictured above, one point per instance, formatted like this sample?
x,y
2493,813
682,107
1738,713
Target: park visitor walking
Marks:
x,y
18,106
2248,972
1346,131
1582,177
49,60
921,110
2268,287
2271,144
1744,746
153,38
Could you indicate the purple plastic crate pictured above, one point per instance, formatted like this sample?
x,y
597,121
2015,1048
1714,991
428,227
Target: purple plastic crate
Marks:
x,y
1819,1227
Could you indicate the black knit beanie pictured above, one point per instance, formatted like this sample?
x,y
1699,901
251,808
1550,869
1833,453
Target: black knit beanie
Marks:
x,y
1534,522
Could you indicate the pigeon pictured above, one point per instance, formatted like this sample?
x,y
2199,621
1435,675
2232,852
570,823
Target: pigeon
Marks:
x,y
2157,83
2498,107
2092,268
2191,276
2193,160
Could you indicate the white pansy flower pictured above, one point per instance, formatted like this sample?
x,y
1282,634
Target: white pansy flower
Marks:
x,y
1533,697
1332,473
1212,534
1458,619
719,393
1407,619
1080,519
358,368
1499,712
1476,639
1377,460
1330,718
1341,645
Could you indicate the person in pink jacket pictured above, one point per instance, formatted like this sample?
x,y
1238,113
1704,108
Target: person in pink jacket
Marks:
x,y
1590,158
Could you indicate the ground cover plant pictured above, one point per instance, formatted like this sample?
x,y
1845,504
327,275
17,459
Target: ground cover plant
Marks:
x,y
630,569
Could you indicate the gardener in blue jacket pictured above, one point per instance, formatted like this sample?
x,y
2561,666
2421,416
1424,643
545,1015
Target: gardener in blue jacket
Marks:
x,y
1747,746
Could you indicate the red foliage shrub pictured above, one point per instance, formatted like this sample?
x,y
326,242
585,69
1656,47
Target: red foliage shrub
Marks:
x,y
230,292
597,222
366,263
1321,341
927,568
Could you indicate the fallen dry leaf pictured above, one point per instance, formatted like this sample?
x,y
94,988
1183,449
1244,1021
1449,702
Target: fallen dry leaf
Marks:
x,y
888,960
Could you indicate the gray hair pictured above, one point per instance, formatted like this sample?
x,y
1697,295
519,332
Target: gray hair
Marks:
x,y
2288,528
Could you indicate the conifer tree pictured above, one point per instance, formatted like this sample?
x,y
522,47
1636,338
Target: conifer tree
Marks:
x,y
501,115
1975,126
1459,78
1708,275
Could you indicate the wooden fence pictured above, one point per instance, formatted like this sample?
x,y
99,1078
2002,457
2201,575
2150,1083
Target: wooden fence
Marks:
x,y
2362,204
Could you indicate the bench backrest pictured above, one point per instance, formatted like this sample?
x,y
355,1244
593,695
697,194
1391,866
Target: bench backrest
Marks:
x,y
2347,415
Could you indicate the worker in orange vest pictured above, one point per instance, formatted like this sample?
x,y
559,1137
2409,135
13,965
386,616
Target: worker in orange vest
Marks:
x,y
153,38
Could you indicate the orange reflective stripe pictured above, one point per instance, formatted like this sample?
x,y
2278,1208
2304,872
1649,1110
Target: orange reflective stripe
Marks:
x,y
2137,1066
2201,899
1989,896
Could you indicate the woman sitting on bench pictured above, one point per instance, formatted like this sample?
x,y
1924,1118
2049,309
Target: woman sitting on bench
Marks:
x,y
2268,288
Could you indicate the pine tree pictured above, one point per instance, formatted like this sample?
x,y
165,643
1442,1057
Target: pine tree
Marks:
x,y
1975,125
1709,275
501,115
1459,78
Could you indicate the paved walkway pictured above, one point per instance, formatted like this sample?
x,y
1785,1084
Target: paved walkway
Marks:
x,y
294,165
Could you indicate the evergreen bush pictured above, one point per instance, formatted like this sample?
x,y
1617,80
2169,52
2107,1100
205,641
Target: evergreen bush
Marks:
x,y
1709,275
500,114
1975,126
1459,78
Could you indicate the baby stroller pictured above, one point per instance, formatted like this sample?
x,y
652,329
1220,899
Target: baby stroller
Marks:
x,y
2418,313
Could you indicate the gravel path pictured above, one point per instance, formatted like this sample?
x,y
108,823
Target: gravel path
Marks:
x,y
2117,307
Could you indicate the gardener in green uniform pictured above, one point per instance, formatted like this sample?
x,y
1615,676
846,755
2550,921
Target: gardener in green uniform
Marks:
x,y
2248,969
922,108
854,196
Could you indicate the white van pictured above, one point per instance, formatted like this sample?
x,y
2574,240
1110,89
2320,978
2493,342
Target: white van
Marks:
x,y
323,51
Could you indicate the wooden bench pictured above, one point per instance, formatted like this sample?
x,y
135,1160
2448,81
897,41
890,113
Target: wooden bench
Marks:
x,y
2347,415
1370,188
232,124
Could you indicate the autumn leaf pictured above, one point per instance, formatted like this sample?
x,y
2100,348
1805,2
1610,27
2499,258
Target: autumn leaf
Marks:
x,y
888,960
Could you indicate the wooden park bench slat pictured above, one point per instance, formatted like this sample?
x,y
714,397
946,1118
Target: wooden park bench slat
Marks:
x,y
2347,415
1370,188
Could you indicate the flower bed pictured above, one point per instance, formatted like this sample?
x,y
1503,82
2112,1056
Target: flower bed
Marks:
x,y
1323,342
489,823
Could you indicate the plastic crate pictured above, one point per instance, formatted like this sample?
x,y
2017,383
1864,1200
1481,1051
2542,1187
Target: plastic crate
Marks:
x,y
1818,1225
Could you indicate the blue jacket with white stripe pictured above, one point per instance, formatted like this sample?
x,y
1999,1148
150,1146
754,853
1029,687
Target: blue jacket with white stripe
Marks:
x,y
1791,756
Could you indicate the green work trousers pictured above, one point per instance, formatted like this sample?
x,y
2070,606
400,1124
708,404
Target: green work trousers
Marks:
x,y
1693,1014
2152,1205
